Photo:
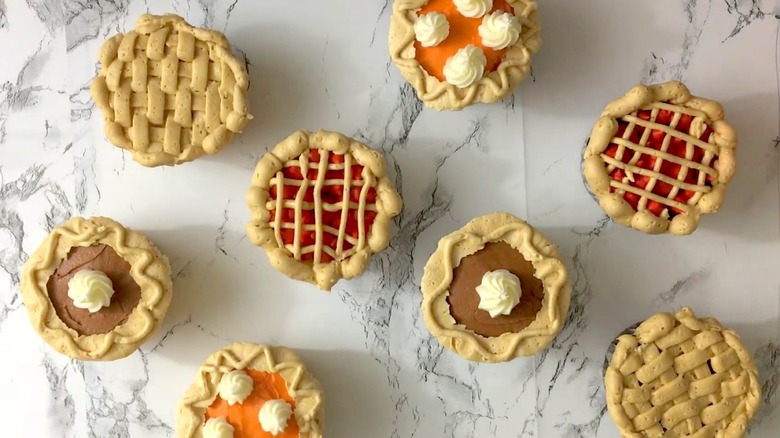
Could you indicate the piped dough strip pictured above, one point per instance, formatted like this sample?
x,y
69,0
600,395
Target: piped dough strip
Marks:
x,y
299,206
322,169
345,207
361,212
278,210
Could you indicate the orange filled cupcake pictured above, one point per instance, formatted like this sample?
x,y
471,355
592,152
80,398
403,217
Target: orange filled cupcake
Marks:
x,y
252,391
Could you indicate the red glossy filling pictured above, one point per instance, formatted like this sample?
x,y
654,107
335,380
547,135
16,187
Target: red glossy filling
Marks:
x,y
677,147
330,194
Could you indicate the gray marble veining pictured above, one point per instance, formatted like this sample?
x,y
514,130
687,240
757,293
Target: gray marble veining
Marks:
x,y
385,376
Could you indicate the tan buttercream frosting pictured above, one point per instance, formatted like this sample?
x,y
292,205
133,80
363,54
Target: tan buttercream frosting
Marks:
x,y
170,92
719,153
304,389
148,267
678,376
492,87
549,268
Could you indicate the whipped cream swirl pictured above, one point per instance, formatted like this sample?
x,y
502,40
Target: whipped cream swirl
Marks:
x,y
431,29
235,387
217,428
465,67
499,30
473,8
273,416
90,289
499,292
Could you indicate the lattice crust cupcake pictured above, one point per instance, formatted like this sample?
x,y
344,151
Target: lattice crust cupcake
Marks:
x,y
170,92
459,52
321,206
495,290
659,158
95,290
250,390
678,375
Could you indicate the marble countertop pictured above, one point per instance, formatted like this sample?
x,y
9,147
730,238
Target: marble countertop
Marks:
x,y
384,375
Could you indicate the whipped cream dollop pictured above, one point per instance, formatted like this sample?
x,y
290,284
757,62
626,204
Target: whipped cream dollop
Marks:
x,y
273,416
499,292
473,8
465,67
431,29
499,30
90,289
217,428
235,387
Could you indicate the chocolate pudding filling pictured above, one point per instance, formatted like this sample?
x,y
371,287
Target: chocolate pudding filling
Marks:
x,y
102,258
464,300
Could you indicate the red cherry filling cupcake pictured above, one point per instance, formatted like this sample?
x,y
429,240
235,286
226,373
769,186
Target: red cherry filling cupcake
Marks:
x,y
321,206
659,158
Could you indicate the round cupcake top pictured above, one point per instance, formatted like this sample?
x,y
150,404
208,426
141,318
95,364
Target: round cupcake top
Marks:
x,y
252,391
95,290
170,92
321,206
678,375
458,52
659,158
495,290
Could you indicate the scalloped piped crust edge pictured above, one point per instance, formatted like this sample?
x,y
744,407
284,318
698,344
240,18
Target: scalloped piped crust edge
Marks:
x,y
149,268
624,344
595,172
218,43
437,277
302,386
493,86
260,232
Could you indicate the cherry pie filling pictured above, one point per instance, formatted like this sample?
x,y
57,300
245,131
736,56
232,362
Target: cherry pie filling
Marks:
x,y
332,196
678,147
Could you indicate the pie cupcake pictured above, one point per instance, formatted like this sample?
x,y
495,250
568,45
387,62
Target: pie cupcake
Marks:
x,y
321,206
495,290
459,52
678,375
170,92
659,158
95,290
248,390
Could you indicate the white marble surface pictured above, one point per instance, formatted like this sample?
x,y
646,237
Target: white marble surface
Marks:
x,y
384,374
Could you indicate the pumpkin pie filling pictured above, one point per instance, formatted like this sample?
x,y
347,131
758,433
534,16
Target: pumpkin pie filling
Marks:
x,y
464,300
464,31
244,416
127,293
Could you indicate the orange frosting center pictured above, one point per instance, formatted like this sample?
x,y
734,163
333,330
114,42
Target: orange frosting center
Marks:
x,y
244,417
463,31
